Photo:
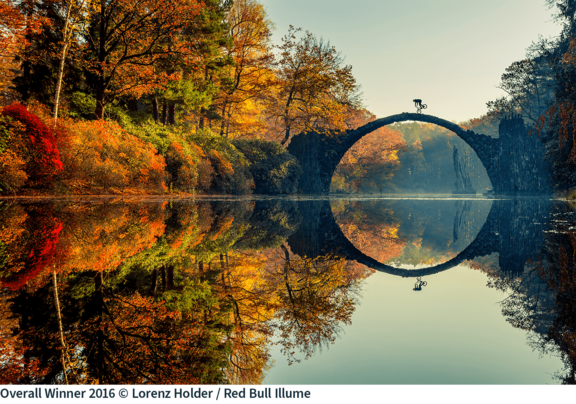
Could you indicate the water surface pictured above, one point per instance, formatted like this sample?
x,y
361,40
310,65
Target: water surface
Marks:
x,y
303,290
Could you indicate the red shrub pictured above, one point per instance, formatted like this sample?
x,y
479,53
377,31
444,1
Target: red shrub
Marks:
x,y
42,251
45,160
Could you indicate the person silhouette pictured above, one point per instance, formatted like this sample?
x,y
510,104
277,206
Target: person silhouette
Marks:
x,y
419,284
419,106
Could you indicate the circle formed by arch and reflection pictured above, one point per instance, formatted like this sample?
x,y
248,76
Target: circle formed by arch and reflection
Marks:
x,y
320,153
319,235
481,144
401,232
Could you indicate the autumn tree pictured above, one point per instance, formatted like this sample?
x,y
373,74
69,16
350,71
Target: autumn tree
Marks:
x,y
372,161
242,92
76,13
559,273
199,71
529,85
312,88
18,19
242,282
372,228
126,42
541,88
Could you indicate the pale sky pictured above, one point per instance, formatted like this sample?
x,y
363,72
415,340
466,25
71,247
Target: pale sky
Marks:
x,y
449,53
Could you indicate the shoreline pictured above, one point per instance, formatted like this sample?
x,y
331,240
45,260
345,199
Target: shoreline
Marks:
x,y
334,196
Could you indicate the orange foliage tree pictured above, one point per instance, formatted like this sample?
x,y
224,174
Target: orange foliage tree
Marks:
x,y
312,89
242,282
316,298
240,102
371,161
138,340
102,157
12,154
128,40
100,237
17,19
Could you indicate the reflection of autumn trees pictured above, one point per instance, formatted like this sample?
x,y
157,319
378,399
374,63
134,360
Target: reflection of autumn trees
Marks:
x,y
28,239
399,232
487,264
159,293
240,280
107,257
316,297
372,228
99,237
16,366
139,339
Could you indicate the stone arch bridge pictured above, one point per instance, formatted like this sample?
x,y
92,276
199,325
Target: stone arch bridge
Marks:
x,y
514,161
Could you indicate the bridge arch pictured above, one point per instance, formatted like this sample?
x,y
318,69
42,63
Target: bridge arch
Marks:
x,y
320,154
321,234
513,228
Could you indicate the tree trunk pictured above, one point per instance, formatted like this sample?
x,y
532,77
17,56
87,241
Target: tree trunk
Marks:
x,y
60,76
287,134
223,124
164,112
172,113
223,268
59,316
163,273
133,105
228,120
99,112
155,113
228,269
98,285
101,82
26,73
170,277
154,286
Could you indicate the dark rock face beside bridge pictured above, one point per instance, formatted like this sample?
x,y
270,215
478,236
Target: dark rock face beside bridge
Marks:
x,y
514,162
521,168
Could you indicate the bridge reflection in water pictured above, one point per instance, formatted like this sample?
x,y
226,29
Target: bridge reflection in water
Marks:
x,y
513,229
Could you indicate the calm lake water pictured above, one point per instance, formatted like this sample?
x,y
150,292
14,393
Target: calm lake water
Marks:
x,y
294,290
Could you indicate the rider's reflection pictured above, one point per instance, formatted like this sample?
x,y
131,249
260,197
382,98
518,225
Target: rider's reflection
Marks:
x,y
419,284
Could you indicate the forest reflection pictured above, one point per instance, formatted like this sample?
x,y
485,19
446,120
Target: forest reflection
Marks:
x,y
200,292
161,293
